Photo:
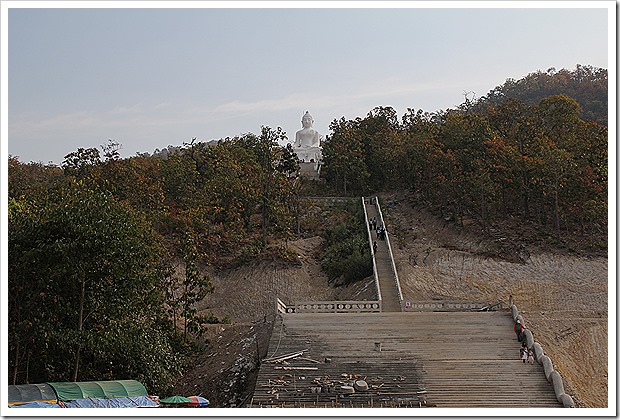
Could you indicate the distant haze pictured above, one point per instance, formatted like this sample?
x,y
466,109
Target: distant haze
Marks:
x,y
149,78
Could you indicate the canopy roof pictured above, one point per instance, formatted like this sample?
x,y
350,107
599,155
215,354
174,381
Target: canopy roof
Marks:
x,y
176,399
67,391
31,392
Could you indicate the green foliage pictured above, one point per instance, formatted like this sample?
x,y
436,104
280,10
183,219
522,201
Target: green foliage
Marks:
x,y
86,302
346,257
31,179
183,293
586,84
539,162
343,154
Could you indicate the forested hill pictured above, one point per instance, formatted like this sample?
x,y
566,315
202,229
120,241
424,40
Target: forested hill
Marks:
x,y
105,253
585,84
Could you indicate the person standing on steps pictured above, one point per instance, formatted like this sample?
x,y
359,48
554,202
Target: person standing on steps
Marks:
x,y
519,330
374,247
523,352
530,356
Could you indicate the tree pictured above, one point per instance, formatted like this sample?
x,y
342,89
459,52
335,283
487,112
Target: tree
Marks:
x,y
343,157
466,137
81,162
31,179
275,166
85,279
195,286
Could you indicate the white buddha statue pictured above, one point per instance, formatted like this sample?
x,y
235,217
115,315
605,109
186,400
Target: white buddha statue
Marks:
x,y
307,141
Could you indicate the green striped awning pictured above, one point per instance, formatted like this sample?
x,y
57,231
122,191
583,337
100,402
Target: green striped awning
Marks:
x,y
67,391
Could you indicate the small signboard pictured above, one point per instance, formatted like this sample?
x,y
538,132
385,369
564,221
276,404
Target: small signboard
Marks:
x,y
407,304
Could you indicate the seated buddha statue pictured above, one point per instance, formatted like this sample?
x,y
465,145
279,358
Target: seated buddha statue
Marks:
x,y
307,141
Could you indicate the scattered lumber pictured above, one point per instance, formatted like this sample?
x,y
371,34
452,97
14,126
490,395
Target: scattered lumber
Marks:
x,y
295,368
284,356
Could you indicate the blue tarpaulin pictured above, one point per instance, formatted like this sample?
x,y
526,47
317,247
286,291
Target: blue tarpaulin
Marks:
x,y
36,404
123,402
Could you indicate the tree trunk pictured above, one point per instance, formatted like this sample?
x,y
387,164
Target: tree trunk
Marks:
x,y
28,368
556,208
504,200
484,213
264,226
525,195
298,217
15,370
185,307
76,366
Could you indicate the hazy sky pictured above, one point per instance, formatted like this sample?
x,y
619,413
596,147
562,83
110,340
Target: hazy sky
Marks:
x,y
151,77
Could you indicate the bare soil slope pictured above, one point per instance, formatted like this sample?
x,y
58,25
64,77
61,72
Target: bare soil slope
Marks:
x,y
563,298
225,371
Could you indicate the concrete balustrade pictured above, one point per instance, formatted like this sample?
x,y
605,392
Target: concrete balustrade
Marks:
x,y
566,400
558,385
552,375
347,306
447,306
529,338
514,311
538,351
547,365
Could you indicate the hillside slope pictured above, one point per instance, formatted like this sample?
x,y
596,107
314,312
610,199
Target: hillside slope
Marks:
x,y
562,298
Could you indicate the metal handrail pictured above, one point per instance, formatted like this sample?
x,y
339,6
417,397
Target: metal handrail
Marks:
x,y
372,252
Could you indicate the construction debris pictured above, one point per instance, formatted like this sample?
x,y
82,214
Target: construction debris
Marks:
x,y
284,357
360,385
295,368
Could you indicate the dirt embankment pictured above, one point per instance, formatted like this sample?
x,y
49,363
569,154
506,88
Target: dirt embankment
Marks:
x,y
562,298
225,371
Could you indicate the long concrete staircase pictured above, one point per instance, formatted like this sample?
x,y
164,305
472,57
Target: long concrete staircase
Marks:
x,y
387,284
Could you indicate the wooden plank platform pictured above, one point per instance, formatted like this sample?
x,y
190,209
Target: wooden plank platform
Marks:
x,y
426,359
